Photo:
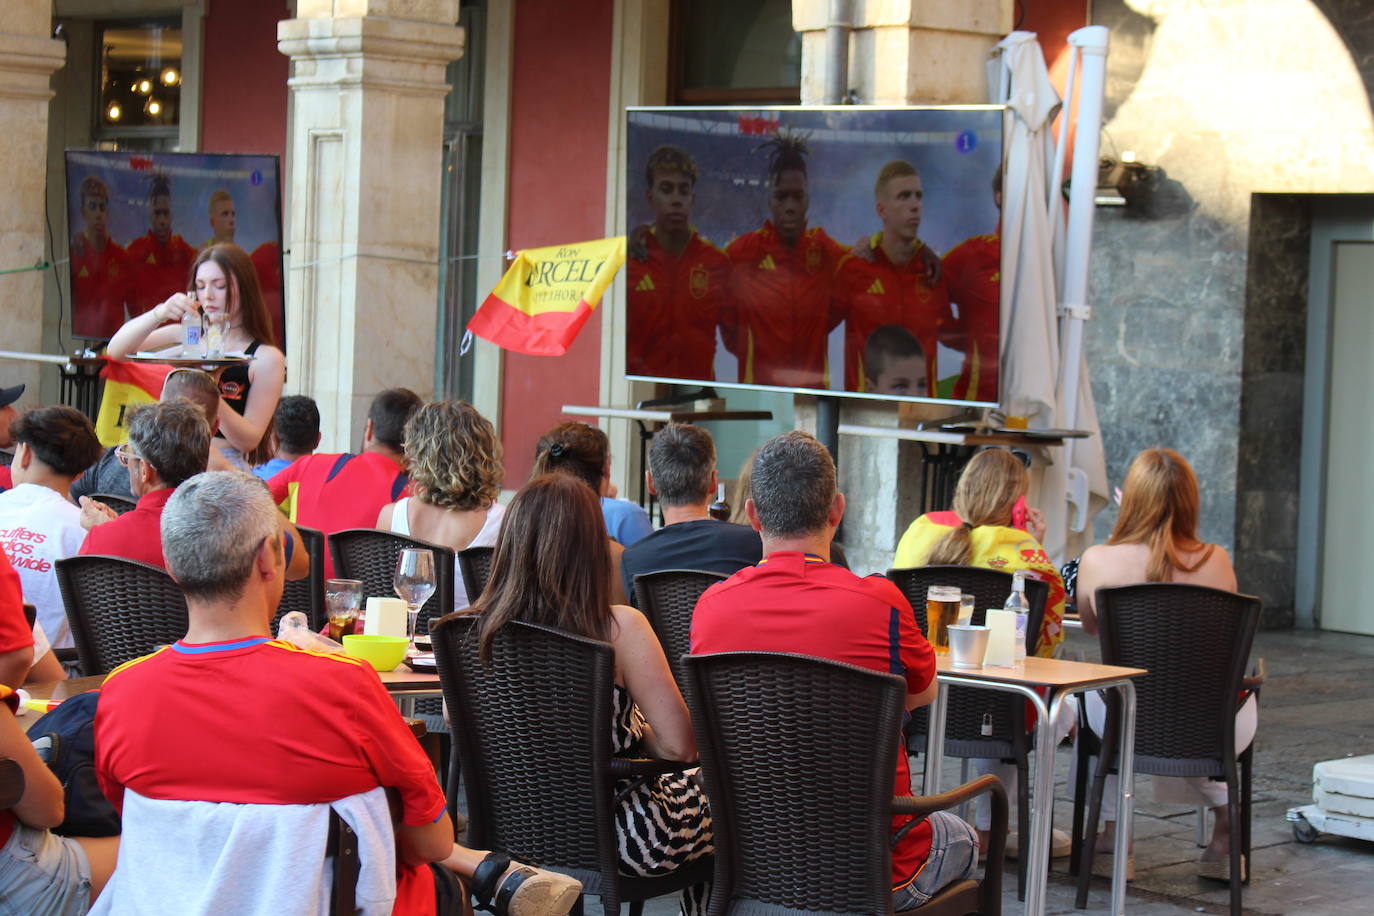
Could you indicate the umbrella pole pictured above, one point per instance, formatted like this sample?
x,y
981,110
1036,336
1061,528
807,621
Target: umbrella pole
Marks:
x,y
1074,309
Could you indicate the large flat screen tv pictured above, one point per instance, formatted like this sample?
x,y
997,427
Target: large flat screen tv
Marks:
x,y
138,220
842,250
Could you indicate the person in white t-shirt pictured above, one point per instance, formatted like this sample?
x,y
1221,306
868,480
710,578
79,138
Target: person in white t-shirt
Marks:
x,y
38,523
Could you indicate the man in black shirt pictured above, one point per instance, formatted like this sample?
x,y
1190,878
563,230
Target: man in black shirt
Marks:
x,y
682,473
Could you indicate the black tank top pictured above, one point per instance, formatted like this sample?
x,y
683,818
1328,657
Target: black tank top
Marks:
x,y
234,383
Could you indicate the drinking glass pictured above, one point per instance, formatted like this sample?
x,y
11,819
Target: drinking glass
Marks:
x,y
414,583
942,610
966,605
342,598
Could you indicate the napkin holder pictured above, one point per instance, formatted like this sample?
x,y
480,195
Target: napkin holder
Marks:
x,y
386,617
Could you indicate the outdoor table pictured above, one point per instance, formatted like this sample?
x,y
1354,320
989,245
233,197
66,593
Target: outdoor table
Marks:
x,y
1061,679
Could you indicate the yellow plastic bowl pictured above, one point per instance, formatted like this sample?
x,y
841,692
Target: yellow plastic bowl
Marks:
x,y
383,653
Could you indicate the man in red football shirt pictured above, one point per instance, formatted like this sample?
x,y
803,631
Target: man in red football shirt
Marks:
x,y
796,600
100,268
269,739
678,292
781,281
333,492
973,270
161,261
894,287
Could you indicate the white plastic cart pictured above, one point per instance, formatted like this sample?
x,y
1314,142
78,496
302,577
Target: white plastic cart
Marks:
x,y
1343,792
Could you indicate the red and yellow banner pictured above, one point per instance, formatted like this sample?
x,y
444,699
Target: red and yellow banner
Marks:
x,y
126,386
547,295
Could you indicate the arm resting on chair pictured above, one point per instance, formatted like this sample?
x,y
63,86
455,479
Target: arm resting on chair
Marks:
x,y
924,805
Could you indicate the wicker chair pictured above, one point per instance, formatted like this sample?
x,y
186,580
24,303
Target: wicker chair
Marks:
x,y
370,556
30,615
118,609
1195,644
532,733
475,565
120,504
795,748
668,598
967,706
306,595
11,783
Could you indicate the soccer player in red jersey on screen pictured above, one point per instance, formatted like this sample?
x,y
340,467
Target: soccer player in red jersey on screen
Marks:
x,y
679,289
100,267
161,261
781,281
892,288
973,270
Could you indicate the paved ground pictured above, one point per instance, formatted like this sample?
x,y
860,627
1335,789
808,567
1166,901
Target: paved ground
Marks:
x,y
1317,705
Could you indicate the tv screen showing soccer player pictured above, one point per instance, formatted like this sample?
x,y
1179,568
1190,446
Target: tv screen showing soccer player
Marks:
x,y
138,221
853,250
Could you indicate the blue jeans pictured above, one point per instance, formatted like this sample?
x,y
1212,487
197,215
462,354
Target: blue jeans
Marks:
x,y
953,857
43,874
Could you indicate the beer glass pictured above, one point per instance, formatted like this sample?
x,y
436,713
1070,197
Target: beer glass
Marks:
x,y
942,611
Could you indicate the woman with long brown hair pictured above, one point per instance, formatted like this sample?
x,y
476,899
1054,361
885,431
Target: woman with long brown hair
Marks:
x,y
454,463
547,569
1155,540
224,286
584,453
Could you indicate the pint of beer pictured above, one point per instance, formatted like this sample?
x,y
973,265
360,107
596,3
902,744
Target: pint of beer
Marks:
x,y
942,611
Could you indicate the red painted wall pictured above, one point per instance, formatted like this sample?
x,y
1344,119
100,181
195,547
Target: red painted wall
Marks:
x,y
560,87
243,97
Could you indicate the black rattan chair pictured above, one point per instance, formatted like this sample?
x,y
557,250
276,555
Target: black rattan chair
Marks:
x,y
11,783
30,615
668,598
475,565
794,748
370,555
532,731
966,708
306,595
1195,644
119,609
120,504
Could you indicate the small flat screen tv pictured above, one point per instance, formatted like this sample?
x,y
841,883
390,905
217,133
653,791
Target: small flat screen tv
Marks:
x,y
845,250
138,220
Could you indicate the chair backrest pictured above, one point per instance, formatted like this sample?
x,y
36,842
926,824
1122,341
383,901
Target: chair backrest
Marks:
x,y
1195,643
119,609
11,783
120,504
475,565
306,595
668,598
533,734
30,615
370,556
794,749
967,707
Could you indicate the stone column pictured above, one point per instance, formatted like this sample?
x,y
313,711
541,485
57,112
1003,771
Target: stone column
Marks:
x,y
28,57
901,52
367,85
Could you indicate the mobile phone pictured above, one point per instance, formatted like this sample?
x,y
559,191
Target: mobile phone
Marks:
x,y
1018,514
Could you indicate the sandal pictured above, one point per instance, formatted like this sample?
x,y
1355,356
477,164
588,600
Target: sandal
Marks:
x,y
509,888
1220,869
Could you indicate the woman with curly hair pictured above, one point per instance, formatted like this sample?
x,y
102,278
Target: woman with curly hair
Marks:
x,y
455,477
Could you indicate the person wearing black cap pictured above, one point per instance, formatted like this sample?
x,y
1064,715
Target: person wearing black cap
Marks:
x,y
7,414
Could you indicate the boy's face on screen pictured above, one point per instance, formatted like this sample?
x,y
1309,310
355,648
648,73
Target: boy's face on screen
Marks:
x,y
905,376
787,204
671,197
160,217
900,206
93,214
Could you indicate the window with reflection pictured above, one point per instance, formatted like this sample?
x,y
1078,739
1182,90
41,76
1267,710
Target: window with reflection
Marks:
x,y
733,52
140,85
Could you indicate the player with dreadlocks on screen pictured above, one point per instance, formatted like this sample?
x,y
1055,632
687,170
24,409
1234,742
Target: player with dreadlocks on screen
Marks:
x,y
161,261
781,277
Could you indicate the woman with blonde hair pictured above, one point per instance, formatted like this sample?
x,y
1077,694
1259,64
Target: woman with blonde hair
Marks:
x,y
455,476
1155,540
583,452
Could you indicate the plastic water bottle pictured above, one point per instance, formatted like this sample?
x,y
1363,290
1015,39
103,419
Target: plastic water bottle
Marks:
x,y
1017,602
190,335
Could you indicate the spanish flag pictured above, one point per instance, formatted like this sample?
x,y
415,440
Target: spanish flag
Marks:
x,y
126,386
547,295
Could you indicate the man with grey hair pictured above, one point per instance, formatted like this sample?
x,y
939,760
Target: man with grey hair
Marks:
x,y
682,474
796,600
270,740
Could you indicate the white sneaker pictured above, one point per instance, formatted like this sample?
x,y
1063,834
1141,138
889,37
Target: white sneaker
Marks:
x,y
1061,844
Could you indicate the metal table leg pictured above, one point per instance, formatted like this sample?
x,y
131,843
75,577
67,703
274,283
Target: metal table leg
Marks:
x,y
935,739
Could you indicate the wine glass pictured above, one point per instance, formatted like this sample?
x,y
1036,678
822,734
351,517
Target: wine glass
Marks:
x,y
342,598
414,583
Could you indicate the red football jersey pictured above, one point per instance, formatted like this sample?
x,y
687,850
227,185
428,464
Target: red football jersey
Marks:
x,y
870,294
101,284
973,271
158,270
675,304
782,306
